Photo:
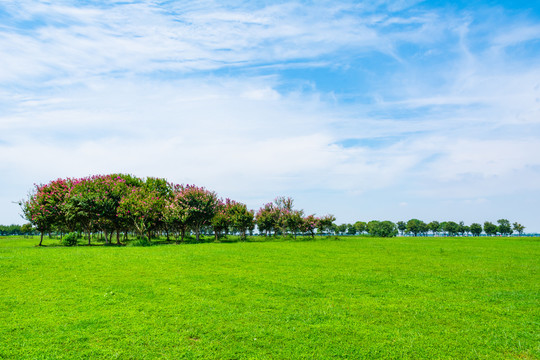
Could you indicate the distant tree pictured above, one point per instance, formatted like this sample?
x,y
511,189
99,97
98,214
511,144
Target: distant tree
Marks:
x,y
326,224
434,227
382,228
415,226
267,218
26,229
476,229
342,228
519,228
463,229
242,219
402,226
360,227
309,224
293,221
490,229
351,229
424,228
505,228
451,227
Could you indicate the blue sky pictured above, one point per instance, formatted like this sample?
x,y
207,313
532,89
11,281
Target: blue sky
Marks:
x,y
366,110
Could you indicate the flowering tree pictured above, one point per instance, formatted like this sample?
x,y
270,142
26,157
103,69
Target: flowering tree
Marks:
x,y
309,225
174,214
240,217
326,223
143,209
267,218
200,206
44,207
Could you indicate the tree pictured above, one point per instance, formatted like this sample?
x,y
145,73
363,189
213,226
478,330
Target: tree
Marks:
x,y
175,214
451,227
200,205
285,207
434,227
26,229
519,228
402,226
342,228
267,218
382,228
504,227
44,207
309,224
351,229
326,223
463,229
476,229
360,227
415,226
143,209
241,219
490,229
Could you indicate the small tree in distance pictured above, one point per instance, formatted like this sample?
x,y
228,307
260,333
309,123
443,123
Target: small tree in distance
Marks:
x,y
476,229
490,229
519,228
504,227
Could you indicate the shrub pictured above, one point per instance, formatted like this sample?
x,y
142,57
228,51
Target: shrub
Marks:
x,y
70,239
142,241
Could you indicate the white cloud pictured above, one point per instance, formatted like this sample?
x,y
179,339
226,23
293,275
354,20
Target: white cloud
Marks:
x,y
195,93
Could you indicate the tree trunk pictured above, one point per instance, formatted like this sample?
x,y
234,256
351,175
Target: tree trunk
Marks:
x,y
118,237
41,240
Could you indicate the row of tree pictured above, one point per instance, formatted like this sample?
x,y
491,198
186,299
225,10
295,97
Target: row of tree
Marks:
x,y
15,229
122,204
415,227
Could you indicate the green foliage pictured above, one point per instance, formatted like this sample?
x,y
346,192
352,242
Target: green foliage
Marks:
x,y
382,228
476,229
141,241
490,229
519,228
360,227
434,227
451,227
504,227
70,239
415,227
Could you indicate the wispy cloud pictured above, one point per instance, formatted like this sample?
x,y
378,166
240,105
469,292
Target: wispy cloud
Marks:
x,y
259,100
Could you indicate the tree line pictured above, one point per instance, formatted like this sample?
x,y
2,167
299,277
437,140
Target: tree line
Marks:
x,y
15,229
415,227
121,204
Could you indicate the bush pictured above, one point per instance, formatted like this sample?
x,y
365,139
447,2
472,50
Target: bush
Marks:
x,y
142,241
70,239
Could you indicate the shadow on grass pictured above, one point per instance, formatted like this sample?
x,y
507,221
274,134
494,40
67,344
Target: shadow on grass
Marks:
x,y
189,240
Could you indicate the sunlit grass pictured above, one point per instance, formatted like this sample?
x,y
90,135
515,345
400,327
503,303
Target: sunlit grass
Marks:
x,y
353,298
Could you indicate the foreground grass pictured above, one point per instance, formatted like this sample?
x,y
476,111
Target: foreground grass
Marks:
x,y
354,298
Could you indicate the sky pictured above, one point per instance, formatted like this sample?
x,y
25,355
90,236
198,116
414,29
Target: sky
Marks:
x,y
367,110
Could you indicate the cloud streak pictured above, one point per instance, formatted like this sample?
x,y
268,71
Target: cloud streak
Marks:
x,y
342,103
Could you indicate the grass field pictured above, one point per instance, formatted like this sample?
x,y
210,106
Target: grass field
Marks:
x,y
401,298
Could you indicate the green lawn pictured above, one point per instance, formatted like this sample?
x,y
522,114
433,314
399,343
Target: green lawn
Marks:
x,y
354,298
